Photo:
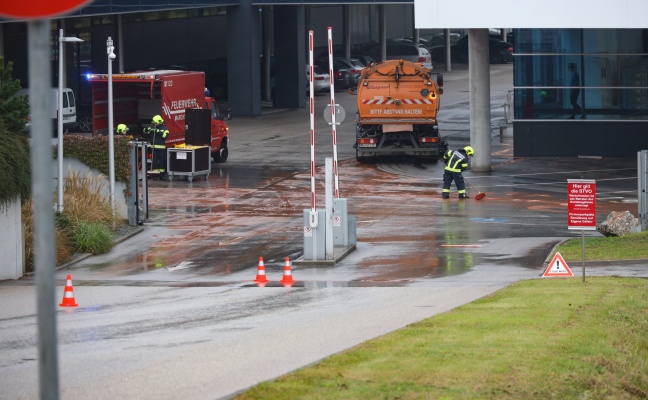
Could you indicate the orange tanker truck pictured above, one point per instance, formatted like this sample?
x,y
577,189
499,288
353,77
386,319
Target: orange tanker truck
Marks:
x,y
398,103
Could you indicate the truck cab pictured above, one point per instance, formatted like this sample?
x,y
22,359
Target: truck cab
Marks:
x,y
219,129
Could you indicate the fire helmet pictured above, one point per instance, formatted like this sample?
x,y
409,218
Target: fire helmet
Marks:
x,y
122,129
158,120
469,150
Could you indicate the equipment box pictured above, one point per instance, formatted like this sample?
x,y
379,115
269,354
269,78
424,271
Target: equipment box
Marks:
x,y
189,161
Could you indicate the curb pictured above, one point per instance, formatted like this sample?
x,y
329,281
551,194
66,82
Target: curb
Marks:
x,y
85,256
600,263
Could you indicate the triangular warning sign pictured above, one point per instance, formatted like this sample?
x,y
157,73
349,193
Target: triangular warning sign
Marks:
x,y
558,267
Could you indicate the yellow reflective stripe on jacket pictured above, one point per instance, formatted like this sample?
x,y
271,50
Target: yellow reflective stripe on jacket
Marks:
x,y
159,146
453,165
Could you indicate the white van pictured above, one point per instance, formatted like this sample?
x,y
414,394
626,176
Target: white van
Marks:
x,y
69,108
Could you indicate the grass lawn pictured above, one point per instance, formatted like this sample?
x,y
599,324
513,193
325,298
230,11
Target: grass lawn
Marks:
x,y
628,247
552,338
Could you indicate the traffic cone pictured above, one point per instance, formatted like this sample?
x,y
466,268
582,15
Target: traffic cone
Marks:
x,y
287,279
261,278
68,294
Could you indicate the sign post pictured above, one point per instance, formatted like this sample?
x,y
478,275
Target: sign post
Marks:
x,y
581,208
38,13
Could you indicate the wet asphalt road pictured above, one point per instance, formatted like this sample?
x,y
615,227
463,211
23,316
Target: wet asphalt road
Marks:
x,y
173,313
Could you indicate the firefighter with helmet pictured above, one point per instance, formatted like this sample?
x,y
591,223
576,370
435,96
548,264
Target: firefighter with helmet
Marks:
x,y
121,129
157,135
456,161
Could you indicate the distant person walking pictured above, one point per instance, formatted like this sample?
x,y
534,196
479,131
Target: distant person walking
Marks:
x,y
456,161
574,92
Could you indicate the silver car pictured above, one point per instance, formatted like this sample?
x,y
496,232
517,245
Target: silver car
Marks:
x,y
320,79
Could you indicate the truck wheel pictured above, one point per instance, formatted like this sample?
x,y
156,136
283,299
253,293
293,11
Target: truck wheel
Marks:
x,y
360,158
85,124
221,155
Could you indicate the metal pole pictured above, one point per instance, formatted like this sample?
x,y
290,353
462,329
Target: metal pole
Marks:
x,y
144,183
59,117
312,123
333,112
42,187
583,242
328,190
133,196
313,216
642,186
59,114
447,44
111,136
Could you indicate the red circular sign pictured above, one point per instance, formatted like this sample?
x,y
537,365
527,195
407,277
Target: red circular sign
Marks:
x,y
35,9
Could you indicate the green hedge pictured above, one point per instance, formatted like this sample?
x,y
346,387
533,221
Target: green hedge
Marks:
x,y
93,151
15,169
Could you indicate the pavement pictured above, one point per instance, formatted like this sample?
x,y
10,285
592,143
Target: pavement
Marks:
x,y
173,312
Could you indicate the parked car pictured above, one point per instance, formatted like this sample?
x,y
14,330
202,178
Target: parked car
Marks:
x,y
439,40
500,52
320,79
341,74
365,59
69,112
353,65
416,53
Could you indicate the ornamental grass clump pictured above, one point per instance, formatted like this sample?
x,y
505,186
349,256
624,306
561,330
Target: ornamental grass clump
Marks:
x,y
85,199
65,247
88,213
85,224
93,238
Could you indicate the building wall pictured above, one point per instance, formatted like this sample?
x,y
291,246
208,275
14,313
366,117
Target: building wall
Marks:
x,y
531,14
615,139
11,241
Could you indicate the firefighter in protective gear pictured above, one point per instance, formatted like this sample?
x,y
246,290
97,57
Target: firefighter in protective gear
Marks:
x,y
121,129
456,161
157,137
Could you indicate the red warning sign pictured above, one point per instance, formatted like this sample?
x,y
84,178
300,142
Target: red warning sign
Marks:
x,y
581,204
36,9
558,267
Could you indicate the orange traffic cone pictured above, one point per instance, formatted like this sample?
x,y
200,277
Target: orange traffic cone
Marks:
x,y
287,279
261,278
68,294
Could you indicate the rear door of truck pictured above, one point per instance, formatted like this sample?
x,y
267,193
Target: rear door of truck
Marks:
x,y
179,92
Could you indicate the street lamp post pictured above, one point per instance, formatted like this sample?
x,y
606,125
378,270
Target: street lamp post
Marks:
x,y
111,138
59,205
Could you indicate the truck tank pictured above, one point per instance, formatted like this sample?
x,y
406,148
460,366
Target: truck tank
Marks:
x,y
398,104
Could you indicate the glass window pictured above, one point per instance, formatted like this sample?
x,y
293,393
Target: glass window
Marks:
x,y
70,99
214,110
590,74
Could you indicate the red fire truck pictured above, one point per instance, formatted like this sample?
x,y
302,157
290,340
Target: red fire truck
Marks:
x,y
138,96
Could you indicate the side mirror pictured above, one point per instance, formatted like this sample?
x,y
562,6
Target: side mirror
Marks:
x,y
440,80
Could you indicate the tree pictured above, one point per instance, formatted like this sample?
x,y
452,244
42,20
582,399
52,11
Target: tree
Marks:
x,y
13,109
15,178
